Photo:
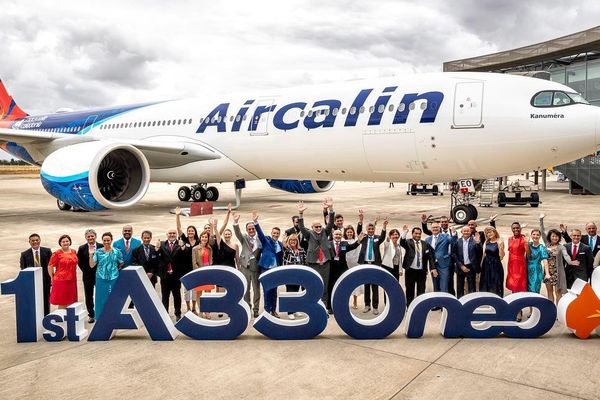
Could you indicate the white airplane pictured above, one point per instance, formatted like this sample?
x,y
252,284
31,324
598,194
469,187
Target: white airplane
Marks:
x,y
421,128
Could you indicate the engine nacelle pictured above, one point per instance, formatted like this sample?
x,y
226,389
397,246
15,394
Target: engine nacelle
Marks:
x,y
306,186
96,175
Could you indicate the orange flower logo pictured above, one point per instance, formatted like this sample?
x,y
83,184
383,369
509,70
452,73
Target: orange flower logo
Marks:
x,y
579,309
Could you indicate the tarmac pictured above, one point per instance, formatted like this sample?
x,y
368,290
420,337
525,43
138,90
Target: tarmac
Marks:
x,y
331,366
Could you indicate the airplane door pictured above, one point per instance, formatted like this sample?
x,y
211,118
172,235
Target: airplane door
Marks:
x,y
468,105
392,151
260,120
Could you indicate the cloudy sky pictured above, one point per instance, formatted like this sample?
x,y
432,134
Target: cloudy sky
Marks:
x,y
82,54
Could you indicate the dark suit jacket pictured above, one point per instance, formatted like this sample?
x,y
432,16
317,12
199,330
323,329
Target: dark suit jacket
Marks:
x,y
345,247
377,241
27,261
318,241
83,260
427,260
176,258
585,239
586,261
475,253
150,264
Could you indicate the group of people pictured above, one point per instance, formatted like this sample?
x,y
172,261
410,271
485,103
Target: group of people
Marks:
x,y
458,262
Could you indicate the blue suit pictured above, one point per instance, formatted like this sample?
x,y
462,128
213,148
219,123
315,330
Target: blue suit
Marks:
x,y
271,256
127,255
443,260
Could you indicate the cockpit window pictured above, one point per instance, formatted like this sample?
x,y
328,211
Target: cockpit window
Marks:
x,y
549,98
561,99
577,98
542,99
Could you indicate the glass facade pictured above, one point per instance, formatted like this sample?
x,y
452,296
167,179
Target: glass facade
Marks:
x,y
583,77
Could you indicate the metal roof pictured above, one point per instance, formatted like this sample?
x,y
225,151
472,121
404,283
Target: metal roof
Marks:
x,y
573,44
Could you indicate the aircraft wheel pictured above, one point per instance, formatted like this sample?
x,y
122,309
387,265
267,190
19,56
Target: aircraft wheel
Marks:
x,y
184,193
199,194
461,214
435,190
212,194
534,200
474,212
501,199
62,206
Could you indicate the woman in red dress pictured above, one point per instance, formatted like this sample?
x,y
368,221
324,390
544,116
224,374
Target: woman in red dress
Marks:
x,y
202,256
518,249
63,272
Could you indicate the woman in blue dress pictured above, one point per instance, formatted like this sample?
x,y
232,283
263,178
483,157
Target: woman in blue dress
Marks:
x,y
107,261
537,263
492,271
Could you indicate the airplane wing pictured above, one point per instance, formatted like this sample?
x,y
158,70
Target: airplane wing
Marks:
x,y
158,150
26,137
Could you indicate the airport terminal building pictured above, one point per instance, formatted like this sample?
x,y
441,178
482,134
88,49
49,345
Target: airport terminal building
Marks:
x,y
573,60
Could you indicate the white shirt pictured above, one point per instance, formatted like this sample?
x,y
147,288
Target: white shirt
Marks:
x,y
434,239
418,256
39,255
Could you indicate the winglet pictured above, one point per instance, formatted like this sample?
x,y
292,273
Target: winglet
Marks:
x,y
9,110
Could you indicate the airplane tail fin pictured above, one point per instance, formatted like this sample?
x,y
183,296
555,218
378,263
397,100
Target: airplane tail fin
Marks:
x,y
9,110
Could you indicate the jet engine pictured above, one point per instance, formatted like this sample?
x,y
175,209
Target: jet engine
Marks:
x,y
96,175
305,186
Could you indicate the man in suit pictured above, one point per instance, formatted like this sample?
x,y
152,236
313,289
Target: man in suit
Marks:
x,y
249,258
302,240
270,257
419,259
171,267
591,239
88,273
338,264
581,263
319,248
466,255
127,244
441,244
38,256
147,256
445,229
371,254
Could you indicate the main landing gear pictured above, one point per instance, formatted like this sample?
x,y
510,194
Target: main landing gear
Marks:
x,y
200,192
197,193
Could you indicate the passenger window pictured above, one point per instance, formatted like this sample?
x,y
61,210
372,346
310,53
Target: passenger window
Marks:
x,y
561,99
371,109
238,118
381,109
411,106
353,110
543,99
189,121
401,107
362,109
335,111
344,111
391,107
310,114
423,105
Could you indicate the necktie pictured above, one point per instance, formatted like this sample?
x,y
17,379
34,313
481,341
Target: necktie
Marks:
x,y
592,242
574,255
147,251
370,249
252,243
127,246
321,256
170,266
418,251
337,249
434,242
37,258
170,246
